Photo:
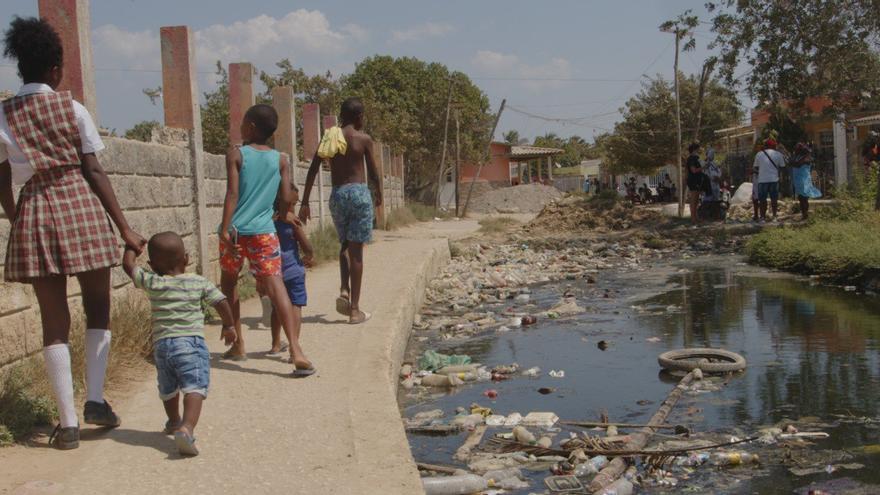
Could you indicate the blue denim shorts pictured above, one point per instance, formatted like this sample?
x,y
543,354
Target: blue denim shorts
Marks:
x,y
183,364
296,290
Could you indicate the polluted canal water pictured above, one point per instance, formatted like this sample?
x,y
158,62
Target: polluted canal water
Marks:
x,y
813,357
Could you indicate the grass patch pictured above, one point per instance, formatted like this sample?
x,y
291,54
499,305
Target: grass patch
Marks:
x,y
841,250
24,404
399,218
26,398
496,225
325,243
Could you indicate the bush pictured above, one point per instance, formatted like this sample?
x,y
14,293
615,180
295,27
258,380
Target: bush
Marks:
x,y
605,200
844,251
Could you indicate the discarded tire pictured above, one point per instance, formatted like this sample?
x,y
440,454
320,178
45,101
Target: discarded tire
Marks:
x,y
706,359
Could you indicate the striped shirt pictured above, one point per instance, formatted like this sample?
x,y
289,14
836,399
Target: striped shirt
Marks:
x,y
176,302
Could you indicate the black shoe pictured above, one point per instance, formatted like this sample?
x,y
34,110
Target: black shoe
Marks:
x,y
101,414
65,438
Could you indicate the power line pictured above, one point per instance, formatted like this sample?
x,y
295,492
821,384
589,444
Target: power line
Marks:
x,y
554,79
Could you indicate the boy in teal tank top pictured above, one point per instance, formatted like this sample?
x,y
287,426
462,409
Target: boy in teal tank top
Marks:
x,y
257,175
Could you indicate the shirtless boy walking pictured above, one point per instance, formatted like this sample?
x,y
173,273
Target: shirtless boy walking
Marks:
x,y
346,147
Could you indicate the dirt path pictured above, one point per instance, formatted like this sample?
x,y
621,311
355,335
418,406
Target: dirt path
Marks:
x,y
261,431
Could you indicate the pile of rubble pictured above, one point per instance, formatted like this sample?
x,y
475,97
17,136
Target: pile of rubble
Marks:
x,y
527,198
594,214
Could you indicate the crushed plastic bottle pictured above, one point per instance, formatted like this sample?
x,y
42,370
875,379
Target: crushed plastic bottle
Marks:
x,y
523,435
622,486
532,372
557,374
454,485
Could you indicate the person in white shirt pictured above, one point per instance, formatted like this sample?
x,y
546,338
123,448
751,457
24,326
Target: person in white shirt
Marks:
x,y
768,162
59,226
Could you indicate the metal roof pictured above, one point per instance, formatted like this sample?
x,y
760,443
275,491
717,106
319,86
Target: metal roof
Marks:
x,y
530,152
869,120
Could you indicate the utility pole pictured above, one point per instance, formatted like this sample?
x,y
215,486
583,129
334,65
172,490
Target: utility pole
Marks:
x,y
443,153
467,200
457,162
678,133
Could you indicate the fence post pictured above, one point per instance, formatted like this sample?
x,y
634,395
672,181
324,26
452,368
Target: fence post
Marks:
x,y
378,156
285,135
70,18
241,97
180,98
311,137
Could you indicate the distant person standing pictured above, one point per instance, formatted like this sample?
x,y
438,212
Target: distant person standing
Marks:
x,y
586,186
768,161
695,179
801,176
713,171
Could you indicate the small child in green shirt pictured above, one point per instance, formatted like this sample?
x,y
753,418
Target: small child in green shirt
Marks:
x,y
181,355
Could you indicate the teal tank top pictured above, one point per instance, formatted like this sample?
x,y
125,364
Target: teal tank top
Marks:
x,y
257,188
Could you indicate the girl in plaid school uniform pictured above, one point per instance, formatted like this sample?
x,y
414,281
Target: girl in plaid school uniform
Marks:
x,y
60,224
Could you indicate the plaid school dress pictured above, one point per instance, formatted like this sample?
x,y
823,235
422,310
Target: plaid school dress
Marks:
x,y
60,227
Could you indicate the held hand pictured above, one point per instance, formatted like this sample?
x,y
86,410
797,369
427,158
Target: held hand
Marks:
x,y
226,238
227,335
305,214
134,241
292,219
308,260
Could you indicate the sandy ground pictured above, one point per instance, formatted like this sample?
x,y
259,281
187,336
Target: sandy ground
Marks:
x,y
338,431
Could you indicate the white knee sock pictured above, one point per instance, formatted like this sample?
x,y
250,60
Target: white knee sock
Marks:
x,y
97,352
57,359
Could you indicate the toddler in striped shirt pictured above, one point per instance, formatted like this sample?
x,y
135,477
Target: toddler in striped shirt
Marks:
x,y
181,355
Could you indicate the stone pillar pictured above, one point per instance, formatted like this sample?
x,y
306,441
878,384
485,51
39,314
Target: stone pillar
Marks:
x,y
285,135
241,97
380,171
840,158
70,18
311,138
311,130
180,97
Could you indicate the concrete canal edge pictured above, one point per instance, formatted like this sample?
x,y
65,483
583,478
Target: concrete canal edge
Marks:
x,y
384,459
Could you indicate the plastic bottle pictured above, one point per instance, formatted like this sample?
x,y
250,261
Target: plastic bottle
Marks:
x,y
733,458
434,380
622,486
523,435
585,470
599,462
454,485
495,476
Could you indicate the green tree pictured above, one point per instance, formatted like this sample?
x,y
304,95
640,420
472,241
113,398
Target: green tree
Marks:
x,y
800,48
142,131
215,115
511,137
645,139
405,101
575,148
323,89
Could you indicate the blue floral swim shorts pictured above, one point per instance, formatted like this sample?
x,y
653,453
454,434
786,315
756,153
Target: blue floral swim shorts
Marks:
x,y
351,206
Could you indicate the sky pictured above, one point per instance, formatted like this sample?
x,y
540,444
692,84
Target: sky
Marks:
x,y
576,60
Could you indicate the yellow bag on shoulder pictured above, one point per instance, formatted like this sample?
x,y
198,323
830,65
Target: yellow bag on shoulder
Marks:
x,y
333,143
